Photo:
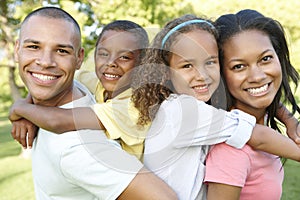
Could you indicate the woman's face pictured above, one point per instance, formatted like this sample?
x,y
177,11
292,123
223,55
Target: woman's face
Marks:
x,y
252,71
194,64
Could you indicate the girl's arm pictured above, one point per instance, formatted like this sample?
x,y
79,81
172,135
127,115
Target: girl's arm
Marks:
x,y
266,139
291,123
218,191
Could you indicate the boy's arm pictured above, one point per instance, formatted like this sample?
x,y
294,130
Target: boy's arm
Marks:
x,y
291,123
24,132
55,119
266,139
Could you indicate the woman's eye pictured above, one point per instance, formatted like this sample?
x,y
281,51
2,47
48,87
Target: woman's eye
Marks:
x,y
238,67
266,58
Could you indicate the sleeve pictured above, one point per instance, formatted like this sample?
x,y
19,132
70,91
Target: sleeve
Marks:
x,y
120,120
101,168
201,124
87,78
227,165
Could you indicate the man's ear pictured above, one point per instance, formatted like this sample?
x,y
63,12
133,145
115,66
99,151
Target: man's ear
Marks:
x,y
16,50
80,58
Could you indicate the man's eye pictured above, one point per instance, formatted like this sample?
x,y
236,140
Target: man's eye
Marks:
x,y
32,47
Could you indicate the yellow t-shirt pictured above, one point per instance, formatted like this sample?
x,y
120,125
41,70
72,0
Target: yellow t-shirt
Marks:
x,y
118,115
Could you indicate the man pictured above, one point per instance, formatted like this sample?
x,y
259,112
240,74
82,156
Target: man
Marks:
x,y
79,164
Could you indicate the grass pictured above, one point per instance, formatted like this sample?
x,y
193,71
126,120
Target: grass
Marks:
x,y
16,179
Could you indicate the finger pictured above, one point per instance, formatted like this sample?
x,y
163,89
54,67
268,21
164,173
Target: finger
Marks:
x,y
13,131
30,137
23,135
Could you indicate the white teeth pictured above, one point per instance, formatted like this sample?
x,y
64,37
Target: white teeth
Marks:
x,y
258,90
111,76
44,77
201,87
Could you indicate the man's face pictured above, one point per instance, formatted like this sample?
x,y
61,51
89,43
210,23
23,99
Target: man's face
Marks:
x,y
48,52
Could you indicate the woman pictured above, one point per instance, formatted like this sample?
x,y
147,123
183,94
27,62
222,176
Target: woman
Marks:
x,y
255,63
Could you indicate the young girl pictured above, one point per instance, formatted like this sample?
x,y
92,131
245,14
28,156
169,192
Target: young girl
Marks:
x,y
183,59
256,67
119,48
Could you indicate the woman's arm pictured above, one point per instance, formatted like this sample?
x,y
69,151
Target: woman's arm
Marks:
x,y
218,191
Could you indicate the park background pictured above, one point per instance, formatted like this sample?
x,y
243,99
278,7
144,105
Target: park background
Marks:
x,y
15,167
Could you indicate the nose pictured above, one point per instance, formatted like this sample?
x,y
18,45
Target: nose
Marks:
x,y
200,73
45,59
256,74
111,61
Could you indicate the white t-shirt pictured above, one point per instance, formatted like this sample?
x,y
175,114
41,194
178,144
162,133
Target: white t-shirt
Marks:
x,y
80,164
180,136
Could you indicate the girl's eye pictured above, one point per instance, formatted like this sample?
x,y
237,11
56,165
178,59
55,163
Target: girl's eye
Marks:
x,y
187,66
211,62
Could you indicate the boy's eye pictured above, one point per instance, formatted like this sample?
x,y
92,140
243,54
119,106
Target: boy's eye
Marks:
x,y
103,54
124,57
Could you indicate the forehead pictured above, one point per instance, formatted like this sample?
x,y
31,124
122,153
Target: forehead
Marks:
x,y
119,39
247,43
196,42
42,28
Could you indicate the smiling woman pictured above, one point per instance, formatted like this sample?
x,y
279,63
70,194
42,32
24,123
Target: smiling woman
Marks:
x,y
256,67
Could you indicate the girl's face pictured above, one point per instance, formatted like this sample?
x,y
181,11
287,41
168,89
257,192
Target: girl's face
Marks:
x,y
194,64
117,53
252,71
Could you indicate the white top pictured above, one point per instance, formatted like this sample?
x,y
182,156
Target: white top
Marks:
x,y
180,136
80,164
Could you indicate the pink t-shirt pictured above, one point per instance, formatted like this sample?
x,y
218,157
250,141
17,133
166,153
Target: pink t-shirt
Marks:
x,y
258,173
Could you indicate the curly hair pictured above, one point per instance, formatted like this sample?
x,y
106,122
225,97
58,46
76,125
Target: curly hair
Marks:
x,y
150,81
230,25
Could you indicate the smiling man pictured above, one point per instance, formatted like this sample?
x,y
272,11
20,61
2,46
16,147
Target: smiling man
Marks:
x,y
77,164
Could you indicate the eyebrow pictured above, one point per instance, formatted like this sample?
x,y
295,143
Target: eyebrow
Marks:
x,y
59,45
121,51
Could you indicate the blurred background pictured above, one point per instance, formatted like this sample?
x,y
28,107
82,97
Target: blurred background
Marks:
x,y
15,164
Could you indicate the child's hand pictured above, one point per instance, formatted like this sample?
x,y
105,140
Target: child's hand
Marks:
x,y
293,131
13,116
24,132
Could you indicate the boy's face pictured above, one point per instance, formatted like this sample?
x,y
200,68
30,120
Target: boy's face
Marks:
x,y
116,54
48,56
194,64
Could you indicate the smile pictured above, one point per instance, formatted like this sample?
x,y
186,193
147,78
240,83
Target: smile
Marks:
x,y
201,87
256,91
43,77
111,76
